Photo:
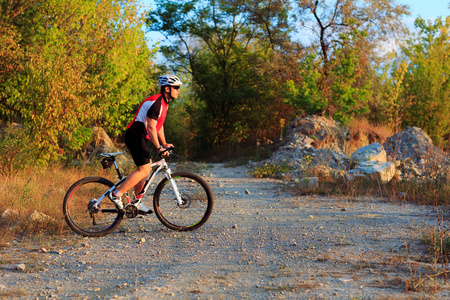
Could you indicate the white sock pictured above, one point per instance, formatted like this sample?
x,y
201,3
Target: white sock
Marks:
x,y
117,193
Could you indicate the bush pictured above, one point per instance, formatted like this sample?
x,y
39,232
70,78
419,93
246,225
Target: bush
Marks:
x,y
270,171
16,149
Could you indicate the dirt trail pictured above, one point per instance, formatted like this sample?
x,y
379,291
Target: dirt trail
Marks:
x,y
259,243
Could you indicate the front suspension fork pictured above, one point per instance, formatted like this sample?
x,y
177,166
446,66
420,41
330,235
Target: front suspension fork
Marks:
x,y
174,187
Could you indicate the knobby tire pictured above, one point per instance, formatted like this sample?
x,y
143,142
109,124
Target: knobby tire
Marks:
x,y
77,214
198,198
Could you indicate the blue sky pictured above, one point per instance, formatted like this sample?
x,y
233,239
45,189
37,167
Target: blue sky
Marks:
x,y
426,9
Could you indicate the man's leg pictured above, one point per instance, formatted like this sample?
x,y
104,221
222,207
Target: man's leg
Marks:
x,y
140,153
134,179
139,186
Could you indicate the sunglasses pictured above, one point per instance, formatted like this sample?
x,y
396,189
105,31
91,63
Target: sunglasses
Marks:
x,y
175,87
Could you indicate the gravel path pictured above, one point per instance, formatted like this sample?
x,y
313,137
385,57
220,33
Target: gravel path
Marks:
x,y
259,243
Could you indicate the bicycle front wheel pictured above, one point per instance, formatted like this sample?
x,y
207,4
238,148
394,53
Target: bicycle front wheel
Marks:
x,y
80,214
197,202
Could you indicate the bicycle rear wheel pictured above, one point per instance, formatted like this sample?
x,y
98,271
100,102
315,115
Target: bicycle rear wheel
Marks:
x,y
197,198
82,217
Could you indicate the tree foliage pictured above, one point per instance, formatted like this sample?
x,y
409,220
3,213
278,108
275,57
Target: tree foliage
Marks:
x,y
380,19
69,65
77,63
336,76
342,94
226,47
422,74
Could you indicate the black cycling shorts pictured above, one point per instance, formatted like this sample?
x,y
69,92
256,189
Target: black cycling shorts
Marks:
x,y
137,144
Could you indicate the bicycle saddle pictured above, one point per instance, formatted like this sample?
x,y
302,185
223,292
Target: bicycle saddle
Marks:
x,y
111,154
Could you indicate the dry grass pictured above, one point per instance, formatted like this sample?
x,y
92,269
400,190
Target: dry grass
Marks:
x,y
428,191
39,190
363,133
437,241
363,124
423,282
389,283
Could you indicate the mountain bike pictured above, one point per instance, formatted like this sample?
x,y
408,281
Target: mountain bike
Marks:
x,y
182,201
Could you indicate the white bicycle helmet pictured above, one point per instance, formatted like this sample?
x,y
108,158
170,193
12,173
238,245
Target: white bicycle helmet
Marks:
x,y
170,80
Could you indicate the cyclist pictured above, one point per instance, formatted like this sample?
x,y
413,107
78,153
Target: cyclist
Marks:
x,y
148,123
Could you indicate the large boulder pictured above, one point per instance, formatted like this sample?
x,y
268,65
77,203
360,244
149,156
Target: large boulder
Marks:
x,y
382,172
417,155
320,144
372,152
313,141
412,143
101,142
370,162
318,132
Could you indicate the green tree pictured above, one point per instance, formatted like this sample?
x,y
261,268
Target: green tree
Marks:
x,y
226,46
307,97
343,94
337,75
424,96
11,50
83,63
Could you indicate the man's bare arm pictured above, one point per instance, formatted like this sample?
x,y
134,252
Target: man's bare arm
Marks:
x,y
152,133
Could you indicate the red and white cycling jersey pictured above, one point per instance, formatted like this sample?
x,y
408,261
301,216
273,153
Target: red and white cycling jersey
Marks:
x,y
154,107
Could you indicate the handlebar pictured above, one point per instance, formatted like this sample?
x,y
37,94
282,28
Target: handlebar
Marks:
x,y
169,149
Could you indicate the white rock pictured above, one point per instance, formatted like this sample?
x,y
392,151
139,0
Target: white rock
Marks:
x,y
9,214
40,217
416,171
309,182
372,152
382,172
20,267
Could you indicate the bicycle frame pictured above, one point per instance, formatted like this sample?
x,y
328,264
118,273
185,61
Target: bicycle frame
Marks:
x,y
161,165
